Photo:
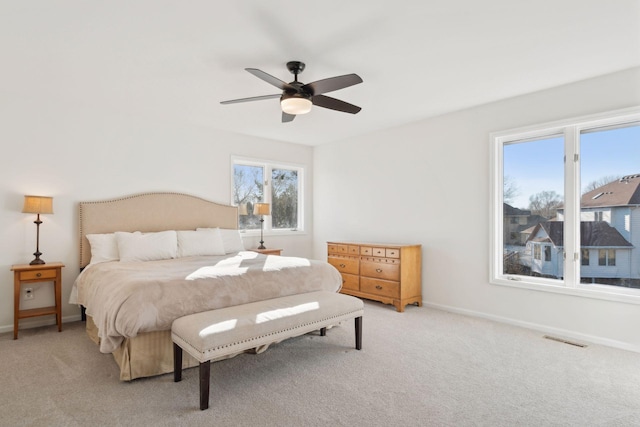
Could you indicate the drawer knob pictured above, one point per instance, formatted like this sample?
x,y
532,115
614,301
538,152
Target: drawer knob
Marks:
x,y
378,287
38,274
378,270
342,265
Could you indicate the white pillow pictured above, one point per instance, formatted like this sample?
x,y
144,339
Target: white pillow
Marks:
x,y
200,242
231,239
147,246
104,248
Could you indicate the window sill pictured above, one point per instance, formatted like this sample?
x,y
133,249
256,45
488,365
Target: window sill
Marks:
x,y
601,292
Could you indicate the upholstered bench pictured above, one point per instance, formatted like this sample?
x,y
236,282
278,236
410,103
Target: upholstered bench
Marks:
x,y
218,333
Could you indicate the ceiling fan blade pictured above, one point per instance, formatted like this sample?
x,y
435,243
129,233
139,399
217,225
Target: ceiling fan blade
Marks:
x,y
253,98
270,79
332,83
334,104
286,117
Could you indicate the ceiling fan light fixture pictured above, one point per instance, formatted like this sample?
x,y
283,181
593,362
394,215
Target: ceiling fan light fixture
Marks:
x,y
296,104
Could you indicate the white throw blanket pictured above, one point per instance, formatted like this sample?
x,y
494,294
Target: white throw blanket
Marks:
x,y
126,298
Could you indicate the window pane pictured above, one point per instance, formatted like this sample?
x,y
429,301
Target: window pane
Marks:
x,y
533,176
585,256
284,195
609,212
602,257
248,189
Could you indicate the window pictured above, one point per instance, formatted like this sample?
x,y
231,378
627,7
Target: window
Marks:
x,y
607,257
585,257
536,252
575,180
262,182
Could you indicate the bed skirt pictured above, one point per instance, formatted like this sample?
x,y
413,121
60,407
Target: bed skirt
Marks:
x,y
146,355
150,353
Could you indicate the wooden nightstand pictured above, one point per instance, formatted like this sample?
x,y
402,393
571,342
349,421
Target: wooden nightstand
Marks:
x,y
267,251
25,273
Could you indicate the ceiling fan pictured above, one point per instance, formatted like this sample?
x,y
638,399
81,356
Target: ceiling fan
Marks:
x,y
297,97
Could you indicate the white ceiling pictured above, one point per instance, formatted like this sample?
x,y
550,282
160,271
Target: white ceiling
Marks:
x,y
175,61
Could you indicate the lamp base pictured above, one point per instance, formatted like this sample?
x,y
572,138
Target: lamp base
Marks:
x,y
262,246
37,260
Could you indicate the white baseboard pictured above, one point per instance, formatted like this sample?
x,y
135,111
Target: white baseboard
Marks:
x,y
561,333
35,323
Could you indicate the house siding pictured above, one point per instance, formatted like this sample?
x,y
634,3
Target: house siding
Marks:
x,y
634,238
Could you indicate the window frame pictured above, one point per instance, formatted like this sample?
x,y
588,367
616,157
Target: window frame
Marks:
x,y
571,130
268,166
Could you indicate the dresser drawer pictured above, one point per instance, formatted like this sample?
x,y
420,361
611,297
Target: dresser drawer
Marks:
x,y
351,281
379,252
40,274
384,288
388,271
345,265
366,250
392,253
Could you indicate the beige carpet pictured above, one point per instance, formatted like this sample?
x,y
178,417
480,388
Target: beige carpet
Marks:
x,y
423,367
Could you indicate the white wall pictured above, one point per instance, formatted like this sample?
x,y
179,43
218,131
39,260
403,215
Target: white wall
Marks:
x,y
78,154
428,183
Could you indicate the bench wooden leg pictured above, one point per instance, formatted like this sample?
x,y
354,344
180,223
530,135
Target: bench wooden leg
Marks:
x,y
177,363
205,374
323,332
359,333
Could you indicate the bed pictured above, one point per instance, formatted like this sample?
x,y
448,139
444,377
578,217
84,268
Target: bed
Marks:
x,y
129,303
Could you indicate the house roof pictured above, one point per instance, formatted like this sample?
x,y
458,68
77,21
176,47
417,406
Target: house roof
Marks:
x,y
509,210
592,234
622,192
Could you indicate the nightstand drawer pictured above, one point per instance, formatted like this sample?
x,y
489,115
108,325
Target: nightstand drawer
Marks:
x,y
380,287
345,265
378,270
36,275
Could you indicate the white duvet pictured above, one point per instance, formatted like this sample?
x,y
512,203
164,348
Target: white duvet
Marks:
x,y
126,298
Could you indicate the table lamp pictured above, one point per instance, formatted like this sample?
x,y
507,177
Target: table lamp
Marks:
x,y
37,205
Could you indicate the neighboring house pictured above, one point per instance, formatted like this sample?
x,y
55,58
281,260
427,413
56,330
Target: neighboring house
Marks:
x,y
609,236
516,221
605,253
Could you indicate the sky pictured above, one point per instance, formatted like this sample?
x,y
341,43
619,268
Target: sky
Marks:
x,y
538,165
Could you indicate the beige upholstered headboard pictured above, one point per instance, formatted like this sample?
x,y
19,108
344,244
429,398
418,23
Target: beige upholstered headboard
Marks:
x,y
151,212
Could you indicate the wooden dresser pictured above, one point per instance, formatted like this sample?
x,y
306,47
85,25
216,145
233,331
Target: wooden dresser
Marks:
x,y
391,274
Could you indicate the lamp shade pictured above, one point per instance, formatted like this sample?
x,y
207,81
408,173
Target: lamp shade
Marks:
x,y
296,105
38,205
261,209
